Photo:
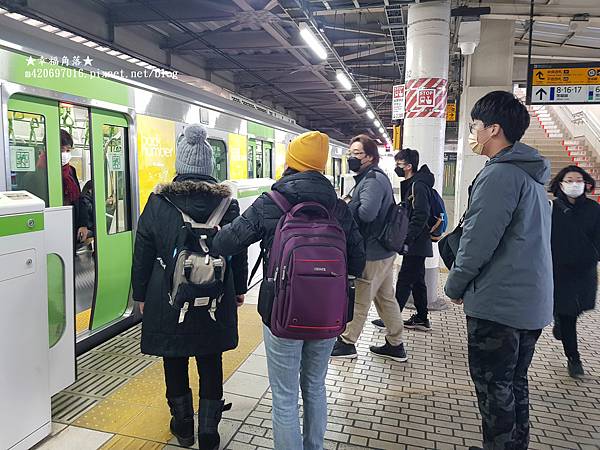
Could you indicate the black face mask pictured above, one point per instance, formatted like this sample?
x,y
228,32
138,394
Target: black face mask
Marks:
x,y
354,164
400,172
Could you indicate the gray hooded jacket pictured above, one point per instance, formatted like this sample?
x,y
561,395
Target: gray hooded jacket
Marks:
x,y
503,268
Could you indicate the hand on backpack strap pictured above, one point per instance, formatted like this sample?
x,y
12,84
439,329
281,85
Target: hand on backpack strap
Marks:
x,y
239,299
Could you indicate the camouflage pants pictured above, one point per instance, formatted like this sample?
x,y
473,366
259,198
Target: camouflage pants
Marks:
x,y
499,357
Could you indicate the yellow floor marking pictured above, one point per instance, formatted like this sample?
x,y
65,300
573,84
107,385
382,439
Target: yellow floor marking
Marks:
x,y
139,409
129,443
82,321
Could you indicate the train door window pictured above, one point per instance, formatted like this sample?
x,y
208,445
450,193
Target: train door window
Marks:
x,y
251,151
28,157
219,159
116,175
74,123
267,159
258,160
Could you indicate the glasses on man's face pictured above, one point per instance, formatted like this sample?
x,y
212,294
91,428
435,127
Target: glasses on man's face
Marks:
x,y
474,126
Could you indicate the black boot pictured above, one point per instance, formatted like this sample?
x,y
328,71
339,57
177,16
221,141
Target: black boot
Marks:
x,y
209,416
182,422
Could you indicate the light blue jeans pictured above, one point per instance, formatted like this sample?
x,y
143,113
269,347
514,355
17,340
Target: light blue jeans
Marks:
x,y
294,364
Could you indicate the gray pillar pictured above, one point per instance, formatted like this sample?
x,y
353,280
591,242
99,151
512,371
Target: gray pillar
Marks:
x,y
490,68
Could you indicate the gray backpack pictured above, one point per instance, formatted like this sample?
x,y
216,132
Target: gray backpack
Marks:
x,y
195,276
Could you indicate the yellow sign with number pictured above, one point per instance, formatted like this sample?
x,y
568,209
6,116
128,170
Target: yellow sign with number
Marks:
x,y
451,112
565,76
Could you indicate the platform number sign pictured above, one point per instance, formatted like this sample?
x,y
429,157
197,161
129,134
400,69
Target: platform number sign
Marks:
x,y
426,97
22,159
564,83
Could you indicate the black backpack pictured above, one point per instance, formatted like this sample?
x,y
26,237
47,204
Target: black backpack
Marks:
x,y
394,231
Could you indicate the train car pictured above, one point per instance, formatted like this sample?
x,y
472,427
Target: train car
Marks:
x,y
124,132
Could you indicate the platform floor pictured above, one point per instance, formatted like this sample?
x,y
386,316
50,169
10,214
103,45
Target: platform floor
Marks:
x,y
118,401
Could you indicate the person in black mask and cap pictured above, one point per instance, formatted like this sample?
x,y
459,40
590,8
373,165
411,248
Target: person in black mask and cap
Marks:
x,y
370,202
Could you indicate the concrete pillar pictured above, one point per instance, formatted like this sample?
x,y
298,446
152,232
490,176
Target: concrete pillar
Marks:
x,y
489,69
427,56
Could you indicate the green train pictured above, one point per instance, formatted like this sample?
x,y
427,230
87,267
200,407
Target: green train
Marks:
x,y
124,133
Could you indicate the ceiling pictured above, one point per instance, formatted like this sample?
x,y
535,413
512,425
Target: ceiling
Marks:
x,y
253,47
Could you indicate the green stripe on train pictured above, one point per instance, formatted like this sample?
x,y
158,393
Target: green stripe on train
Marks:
x,y
21,223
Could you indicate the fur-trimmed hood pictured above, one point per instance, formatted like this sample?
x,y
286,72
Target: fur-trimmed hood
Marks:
x,y
196,197
188,187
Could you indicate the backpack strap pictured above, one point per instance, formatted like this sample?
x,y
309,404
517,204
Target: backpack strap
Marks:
x,y
279,199
217,215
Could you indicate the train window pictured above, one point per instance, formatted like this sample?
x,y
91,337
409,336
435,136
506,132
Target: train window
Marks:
x,y
116,172
219,159
27,144
251,148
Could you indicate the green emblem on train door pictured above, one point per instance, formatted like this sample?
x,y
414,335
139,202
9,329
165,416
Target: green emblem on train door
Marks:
x,y
22,159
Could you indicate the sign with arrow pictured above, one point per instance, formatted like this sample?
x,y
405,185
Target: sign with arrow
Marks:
x,y
563,84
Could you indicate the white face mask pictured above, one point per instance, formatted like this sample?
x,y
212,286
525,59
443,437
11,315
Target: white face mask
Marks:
x,y
573,190
65,157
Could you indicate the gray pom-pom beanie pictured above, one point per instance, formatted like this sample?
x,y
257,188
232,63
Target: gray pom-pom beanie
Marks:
x,y
194,154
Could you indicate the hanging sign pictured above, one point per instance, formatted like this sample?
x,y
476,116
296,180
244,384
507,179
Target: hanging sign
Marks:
x,y
115,161
22,159
451,112
549,84
426,97
398,102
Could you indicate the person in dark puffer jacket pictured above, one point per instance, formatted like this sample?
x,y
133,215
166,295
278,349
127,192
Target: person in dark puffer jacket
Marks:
x,y
301,182
196,193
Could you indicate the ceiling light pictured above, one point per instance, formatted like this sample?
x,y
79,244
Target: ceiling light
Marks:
x,y
343,79
312,41
377,123
360,101
370,114
381,130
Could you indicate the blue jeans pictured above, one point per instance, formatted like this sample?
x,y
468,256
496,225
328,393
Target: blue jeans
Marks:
x,y
294,363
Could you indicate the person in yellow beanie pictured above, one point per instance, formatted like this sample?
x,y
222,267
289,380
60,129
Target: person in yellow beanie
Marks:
x,y
309,151
302,181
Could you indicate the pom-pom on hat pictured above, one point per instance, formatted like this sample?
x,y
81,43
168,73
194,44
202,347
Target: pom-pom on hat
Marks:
x,y
194,154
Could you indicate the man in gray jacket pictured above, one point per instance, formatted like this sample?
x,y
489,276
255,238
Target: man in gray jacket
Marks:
x,y
371,201
503,268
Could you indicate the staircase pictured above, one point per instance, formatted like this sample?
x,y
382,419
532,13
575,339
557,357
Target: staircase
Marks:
x,y
546,135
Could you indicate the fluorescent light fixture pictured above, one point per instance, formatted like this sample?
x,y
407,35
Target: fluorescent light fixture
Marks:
x,y
312,41
360,101
343,79
377,123
33,22
381,130
17,16
370,114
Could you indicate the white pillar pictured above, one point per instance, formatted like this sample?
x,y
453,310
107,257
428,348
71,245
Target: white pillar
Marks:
x,y
427,56
489,69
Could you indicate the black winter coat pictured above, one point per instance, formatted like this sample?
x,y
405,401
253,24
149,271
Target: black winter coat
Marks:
x,y
156,237
418,238
259,221
575,254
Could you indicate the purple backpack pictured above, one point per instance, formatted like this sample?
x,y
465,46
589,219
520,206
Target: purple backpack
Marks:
x,y
307,265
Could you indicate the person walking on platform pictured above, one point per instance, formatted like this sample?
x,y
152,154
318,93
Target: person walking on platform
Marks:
x,y
416,191
575,254
371,200
294,363
503,268
203,333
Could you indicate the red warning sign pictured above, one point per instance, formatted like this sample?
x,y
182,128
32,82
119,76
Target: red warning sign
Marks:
x,y
426,97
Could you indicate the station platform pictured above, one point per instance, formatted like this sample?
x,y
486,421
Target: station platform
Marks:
x,y
426,403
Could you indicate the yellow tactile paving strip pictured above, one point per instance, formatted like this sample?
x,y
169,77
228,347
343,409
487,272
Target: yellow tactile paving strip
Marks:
x,y
137,412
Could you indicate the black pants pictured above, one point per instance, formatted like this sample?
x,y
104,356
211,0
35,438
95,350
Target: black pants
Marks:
x,y
412,278
210,370
568,331
499,357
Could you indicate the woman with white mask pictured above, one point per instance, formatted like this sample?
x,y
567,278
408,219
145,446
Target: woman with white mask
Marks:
x,y
575,256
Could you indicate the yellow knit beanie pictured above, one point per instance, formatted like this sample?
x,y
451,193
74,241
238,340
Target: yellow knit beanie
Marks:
x,y
309,151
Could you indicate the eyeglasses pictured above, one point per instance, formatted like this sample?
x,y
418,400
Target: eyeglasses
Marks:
x,y
472,126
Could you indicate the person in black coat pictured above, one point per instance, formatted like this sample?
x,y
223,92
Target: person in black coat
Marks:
x,y
302,181
575,256
195,192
